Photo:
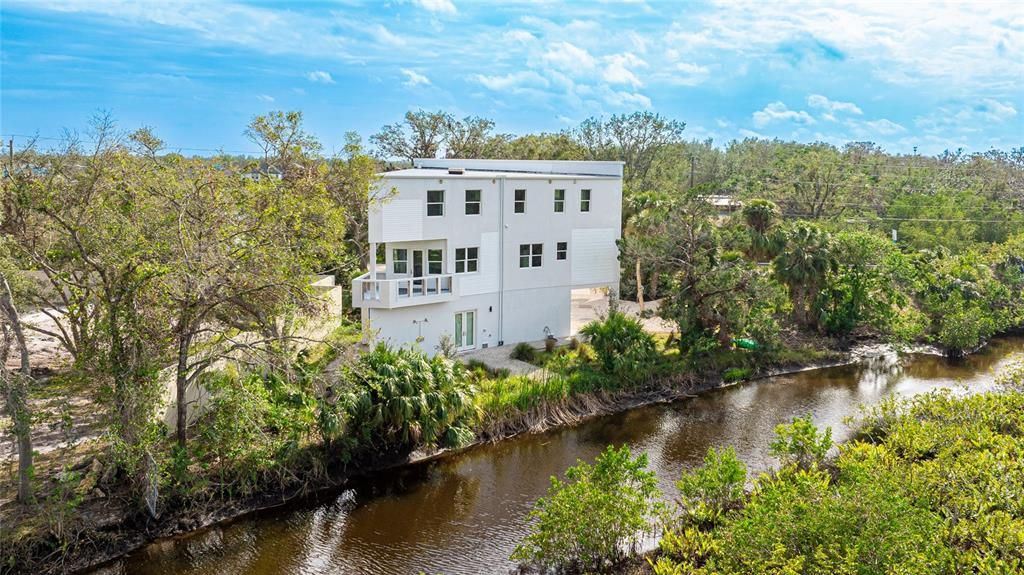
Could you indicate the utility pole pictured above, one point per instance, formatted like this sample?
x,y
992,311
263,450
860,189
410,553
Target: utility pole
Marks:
x,y
693,167
10,156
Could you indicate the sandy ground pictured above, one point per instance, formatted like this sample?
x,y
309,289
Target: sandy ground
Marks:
x,y
45,352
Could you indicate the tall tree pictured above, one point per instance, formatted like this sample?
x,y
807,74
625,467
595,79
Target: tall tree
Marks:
x,y
86,227
15,384
420,135
803,265
635,139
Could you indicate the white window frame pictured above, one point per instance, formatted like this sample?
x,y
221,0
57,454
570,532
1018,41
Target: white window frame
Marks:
x,y
519,206
534,256
430,203
469,258
439,261
395,260
562,250
479,202
559,203
585,201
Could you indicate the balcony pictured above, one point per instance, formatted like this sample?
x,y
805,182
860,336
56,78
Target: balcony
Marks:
x,y
381,292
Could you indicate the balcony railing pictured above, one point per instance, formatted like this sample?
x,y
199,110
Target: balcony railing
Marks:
x,y
382,292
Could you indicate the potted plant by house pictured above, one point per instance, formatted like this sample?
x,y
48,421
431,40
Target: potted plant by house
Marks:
x,y
549,340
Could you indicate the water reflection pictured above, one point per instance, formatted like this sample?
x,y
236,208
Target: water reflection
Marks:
x,y
465,514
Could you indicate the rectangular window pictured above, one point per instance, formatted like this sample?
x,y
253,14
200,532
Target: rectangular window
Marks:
x,y
584,200
531,255
466,260
520,203
472,202
559,201
561,250
434,262
400,261
435,202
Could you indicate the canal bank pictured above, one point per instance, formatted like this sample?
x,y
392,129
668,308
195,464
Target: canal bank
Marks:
x,y
463,513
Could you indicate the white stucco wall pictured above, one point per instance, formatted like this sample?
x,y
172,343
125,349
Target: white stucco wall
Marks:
x,y
533,297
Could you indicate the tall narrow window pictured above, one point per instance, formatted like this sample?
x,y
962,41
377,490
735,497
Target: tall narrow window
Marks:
x,y
559,201
472,202
435,202
584,200
466,260
434,262
400,261
531,255
561,250
520,203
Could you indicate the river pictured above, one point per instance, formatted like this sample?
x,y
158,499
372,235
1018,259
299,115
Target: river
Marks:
x,y
465,513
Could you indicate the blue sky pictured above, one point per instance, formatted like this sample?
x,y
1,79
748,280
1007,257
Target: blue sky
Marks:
x,y
902,74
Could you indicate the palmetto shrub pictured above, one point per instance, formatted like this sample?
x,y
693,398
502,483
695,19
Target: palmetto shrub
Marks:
x,y
402,398
622,347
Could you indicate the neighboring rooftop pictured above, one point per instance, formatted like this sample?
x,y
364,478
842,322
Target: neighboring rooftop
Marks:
x,y
471,168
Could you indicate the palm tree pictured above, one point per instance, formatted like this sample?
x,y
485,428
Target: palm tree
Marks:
x,y
762,217
647,213
803,264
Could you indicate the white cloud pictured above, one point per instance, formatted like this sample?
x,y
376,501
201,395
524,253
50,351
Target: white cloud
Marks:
x,y
777,111
265,98
627,99
884,127
568,57
830,107
519,35
320,77
440,6
512,80
618,69
687,74
414,78
996,110
385,36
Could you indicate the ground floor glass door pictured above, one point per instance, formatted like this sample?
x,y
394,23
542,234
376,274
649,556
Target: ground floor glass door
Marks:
x,y
465,330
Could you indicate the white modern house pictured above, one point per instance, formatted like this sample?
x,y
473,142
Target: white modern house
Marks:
x,y
488,252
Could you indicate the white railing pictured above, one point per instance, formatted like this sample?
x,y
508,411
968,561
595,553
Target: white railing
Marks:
x,y
380,291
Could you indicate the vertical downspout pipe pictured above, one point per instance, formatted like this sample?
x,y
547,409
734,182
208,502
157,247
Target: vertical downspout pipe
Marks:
x,y
501,260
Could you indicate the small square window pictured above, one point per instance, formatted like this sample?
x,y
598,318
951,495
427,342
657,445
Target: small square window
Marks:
x,y
559,201
466,260
561,250
435,202
435,262
400,261
472,202
519,206
531,255
584,200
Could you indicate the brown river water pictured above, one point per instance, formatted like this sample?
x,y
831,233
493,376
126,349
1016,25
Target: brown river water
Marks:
x,y
465,513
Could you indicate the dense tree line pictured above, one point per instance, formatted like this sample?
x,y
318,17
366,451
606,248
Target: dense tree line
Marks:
x,y
158,267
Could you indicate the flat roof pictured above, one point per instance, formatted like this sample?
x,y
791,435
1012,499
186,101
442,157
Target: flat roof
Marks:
x,y
549,167
442,173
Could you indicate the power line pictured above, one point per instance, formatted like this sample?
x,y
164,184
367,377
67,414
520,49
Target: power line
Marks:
x,y
167,147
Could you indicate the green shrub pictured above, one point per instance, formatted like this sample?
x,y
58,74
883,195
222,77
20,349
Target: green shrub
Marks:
x,y
799,443
403,398
524,352
736,374
622,346
596,518
711,490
